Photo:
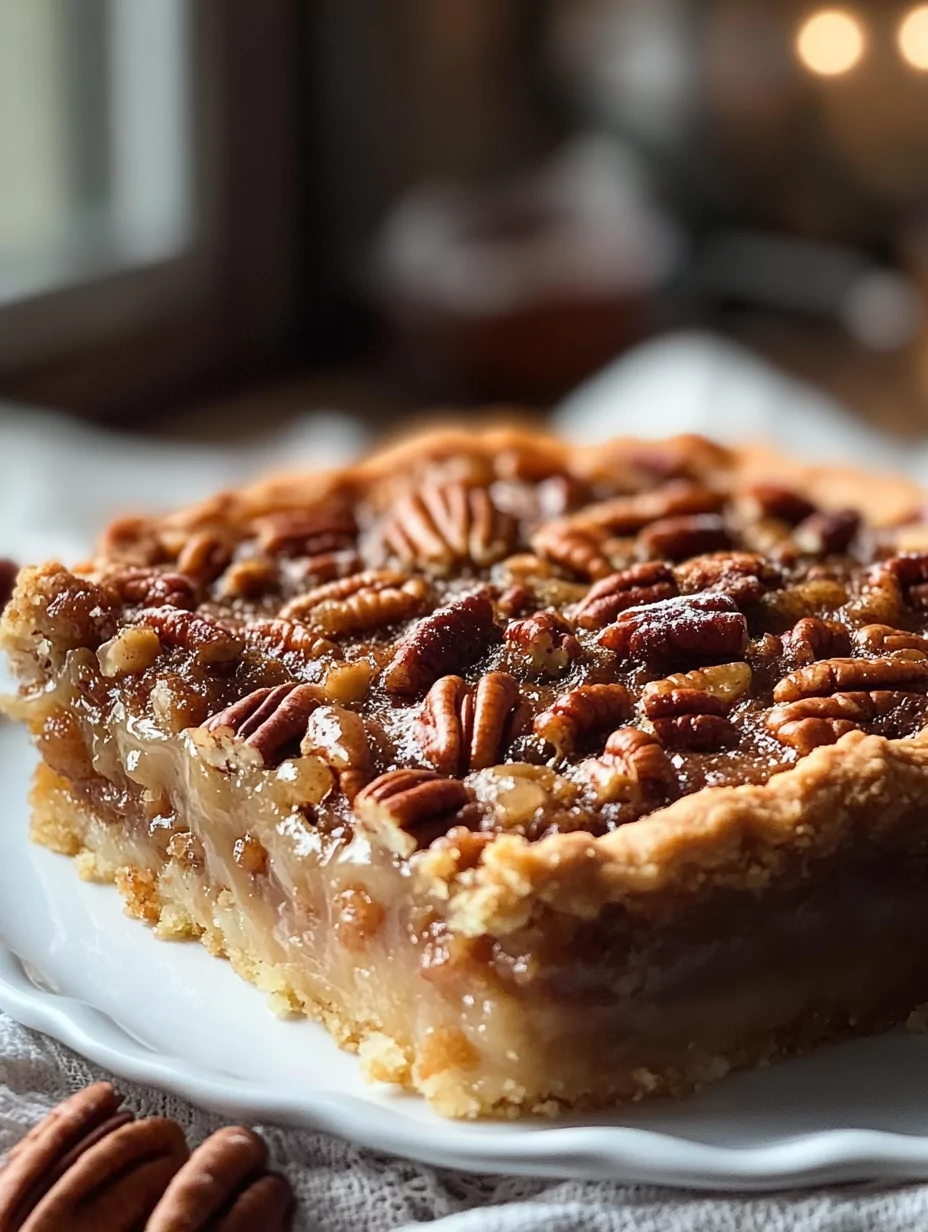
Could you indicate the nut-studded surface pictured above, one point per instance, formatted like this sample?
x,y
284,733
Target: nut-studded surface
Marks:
x,y
477,689
476,620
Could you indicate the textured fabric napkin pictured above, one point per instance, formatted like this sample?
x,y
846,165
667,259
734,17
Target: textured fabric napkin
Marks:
x,y
59,482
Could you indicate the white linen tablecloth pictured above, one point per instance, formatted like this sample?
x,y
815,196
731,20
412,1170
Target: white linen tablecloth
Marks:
x,y
59,482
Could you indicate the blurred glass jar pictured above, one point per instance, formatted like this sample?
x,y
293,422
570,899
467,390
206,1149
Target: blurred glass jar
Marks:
x,y
522,290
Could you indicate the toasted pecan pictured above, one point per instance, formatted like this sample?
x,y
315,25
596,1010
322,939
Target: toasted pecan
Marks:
x,y
399,806
451,637
580,712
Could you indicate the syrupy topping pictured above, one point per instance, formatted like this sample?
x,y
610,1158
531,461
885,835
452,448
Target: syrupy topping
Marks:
x,y
527,653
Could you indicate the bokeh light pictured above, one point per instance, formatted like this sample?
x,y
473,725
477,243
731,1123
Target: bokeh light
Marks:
x,y
830,42
913,37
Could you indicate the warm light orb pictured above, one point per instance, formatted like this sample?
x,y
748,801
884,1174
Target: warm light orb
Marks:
x,y
830,42
913,37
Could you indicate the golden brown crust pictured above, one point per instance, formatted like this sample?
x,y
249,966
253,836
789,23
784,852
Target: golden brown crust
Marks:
x,y
864,790
883,499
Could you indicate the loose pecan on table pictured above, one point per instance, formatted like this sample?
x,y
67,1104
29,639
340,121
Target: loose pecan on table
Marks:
x,y
367,601
544,643
269,720
820,534
448,638
633,767
88,1167
681,537
446,524
693,628
210,641
462,728
402,806
339,737
851,676
581,712
632,587
279,637
225,1187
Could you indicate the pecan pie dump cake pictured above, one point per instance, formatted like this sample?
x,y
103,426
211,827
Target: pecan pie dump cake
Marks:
x,y
544,777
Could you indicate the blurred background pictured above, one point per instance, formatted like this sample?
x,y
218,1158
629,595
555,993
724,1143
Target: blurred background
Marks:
x,y
216,215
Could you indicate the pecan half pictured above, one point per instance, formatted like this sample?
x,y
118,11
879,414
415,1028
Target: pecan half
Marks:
x,y
517,600
910,571
450,637
809,722
247,579
632,587
681,537
210,641
626,515
339,737
580,712
544,643
280,637
88,1166
462,729
728,683
877,640
820,534
204,557
699,628
305,532
401,806
372,600
633,768
689,719
878,596
852,675
153,587
574,548
744,576
767,500
225,1187
813,638
443,525
269,720
808,598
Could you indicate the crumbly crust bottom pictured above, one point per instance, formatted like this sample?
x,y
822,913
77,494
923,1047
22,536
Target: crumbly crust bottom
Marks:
x,y
175,913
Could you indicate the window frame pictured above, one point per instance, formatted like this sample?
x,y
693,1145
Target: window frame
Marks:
x,y
144,336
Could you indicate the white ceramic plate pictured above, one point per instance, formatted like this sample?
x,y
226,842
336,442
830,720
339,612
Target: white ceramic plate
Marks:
x,y
72,965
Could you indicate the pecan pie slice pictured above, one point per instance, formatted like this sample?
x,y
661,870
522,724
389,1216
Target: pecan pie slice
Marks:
x,y
544,777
